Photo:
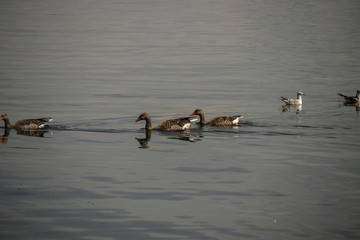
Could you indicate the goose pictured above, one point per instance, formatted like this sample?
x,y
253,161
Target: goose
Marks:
x,y
26,124
351,99
293,101
218,121
178,124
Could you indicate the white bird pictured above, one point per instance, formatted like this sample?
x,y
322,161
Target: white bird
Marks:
x,y
293,101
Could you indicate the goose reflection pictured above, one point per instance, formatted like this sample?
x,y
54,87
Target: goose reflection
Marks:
x,y
183,136
292,108
356,105
187,136
30,133
4,137
145,141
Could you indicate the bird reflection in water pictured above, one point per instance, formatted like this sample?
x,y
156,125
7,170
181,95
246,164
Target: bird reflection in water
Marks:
x,y
356,105
4,137
183,136
31,133
187,136
292,108
145,141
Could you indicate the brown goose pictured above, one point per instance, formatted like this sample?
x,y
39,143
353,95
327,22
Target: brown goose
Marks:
x,y
351,99
26,124
178,124
218,121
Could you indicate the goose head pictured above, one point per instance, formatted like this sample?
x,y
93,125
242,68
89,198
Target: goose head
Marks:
x,y
143,116
4,117
198,112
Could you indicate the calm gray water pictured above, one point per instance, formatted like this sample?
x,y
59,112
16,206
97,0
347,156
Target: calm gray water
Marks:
x,y
94,66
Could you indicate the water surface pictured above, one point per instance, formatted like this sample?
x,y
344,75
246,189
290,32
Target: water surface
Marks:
x,y
94,66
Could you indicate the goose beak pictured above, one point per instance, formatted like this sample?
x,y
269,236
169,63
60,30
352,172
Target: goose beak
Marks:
x,y
193,113
137,119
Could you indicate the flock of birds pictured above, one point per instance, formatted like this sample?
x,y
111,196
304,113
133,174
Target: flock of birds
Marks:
x,y
178,124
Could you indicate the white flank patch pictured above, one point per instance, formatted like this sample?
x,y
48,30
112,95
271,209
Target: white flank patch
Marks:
x,y
194,119
186,126
237,120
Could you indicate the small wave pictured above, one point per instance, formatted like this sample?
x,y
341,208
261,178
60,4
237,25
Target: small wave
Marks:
x,y
275,133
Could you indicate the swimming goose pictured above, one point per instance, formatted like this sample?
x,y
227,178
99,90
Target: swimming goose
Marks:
x,y
217,121
351,99
26,124
178,124
293,101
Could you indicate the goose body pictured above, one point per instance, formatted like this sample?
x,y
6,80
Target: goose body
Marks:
x,y
293,101
178,124
351,99
26,124
218,121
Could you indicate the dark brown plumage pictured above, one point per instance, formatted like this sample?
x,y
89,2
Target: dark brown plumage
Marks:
x,y
178,124
26,124
217,121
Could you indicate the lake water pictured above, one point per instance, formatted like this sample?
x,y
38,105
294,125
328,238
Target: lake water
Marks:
x,y
94,66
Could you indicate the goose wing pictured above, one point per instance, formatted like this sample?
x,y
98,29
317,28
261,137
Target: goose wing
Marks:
x,y
285,100
175,124
33,123
349,98
225,120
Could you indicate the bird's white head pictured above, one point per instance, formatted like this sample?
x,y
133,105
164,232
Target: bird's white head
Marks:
x,y
300,93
